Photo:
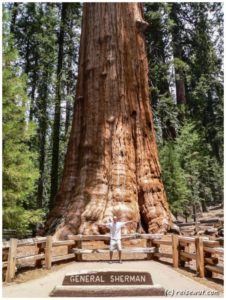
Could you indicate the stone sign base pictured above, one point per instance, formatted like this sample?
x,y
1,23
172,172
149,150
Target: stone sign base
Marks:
x,y
107,291
107,283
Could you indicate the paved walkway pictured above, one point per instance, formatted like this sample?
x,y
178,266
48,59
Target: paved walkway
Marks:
x,y
174,283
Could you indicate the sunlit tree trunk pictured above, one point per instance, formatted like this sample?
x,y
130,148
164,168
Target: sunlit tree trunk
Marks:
x,y
112,165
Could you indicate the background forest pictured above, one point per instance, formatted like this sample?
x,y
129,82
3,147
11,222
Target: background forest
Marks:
x,y
40,58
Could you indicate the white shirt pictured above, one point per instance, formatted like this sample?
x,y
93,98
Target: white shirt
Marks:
x,y
115,229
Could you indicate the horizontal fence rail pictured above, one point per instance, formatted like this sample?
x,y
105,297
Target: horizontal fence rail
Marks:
x,y
208,254
100,237
210,226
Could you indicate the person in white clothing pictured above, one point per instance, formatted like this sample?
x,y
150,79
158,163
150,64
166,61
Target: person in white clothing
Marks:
x,y
115,236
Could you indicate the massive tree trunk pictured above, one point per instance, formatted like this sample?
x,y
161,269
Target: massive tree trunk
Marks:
x,y
111,166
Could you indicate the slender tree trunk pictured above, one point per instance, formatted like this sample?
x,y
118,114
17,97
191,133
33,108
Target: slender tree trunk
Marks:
x,y
181,98
194,212
42,137
204,206
70,75
14,15
180,84
33,89
56,124
111,166
27,57
68,112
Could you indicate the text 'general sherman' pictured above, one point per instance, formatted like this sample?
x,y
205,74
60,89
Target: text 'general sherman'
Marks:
x,y
117,279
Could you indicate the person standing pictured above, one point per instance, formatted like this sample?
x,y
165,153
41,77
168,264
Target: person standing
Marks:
x,y
115,236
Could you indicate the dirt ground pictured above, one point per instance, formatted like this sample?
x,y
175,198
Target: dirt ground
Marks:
x,y
39,283
28,275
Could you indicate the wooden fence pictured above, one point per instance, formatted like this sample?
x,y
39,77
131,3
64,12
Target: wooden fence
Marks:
x,y
12,233
210,226
205,252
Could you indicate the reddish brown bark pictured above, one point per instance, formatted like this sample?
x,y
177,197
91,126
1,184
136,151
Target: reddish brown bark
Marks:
x,y
112,165
181,98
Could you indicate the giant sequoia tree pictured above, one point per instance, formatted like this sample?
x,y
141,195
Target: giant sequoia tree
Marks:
x,y
111,166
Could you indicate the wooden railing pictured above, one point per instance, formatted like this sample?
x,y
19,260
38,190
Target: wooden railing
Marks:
x,y
205,252
210,226
44,245
148,249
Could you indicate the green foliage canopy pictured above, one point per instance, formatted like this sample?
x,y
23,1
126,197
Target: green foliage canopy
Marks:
x,y
19,171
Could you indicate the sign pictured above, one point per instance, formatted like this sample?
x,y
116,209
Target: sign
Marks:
x,y
107,283
109,278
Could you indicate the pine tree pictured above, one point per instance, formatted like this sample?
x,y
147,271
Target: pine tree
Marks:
x,y
57,111
19,171
174,178
36,31
160,64
69,76
206,97
197,45
36,36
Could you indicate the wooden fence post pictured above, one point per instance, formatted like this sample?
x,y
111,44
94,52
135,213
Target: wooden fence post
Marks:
x,y
79,246
175,250
200,267
48,252
40,248
149,244
11,266
207,273
187,249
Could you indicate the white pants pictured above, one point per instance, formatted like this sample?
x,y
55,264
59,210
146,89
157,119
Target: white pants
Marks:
x,y
115,245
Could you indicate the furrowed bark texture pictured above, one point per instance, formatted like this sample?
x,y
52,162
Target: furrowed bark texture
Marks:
x,y
111,166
